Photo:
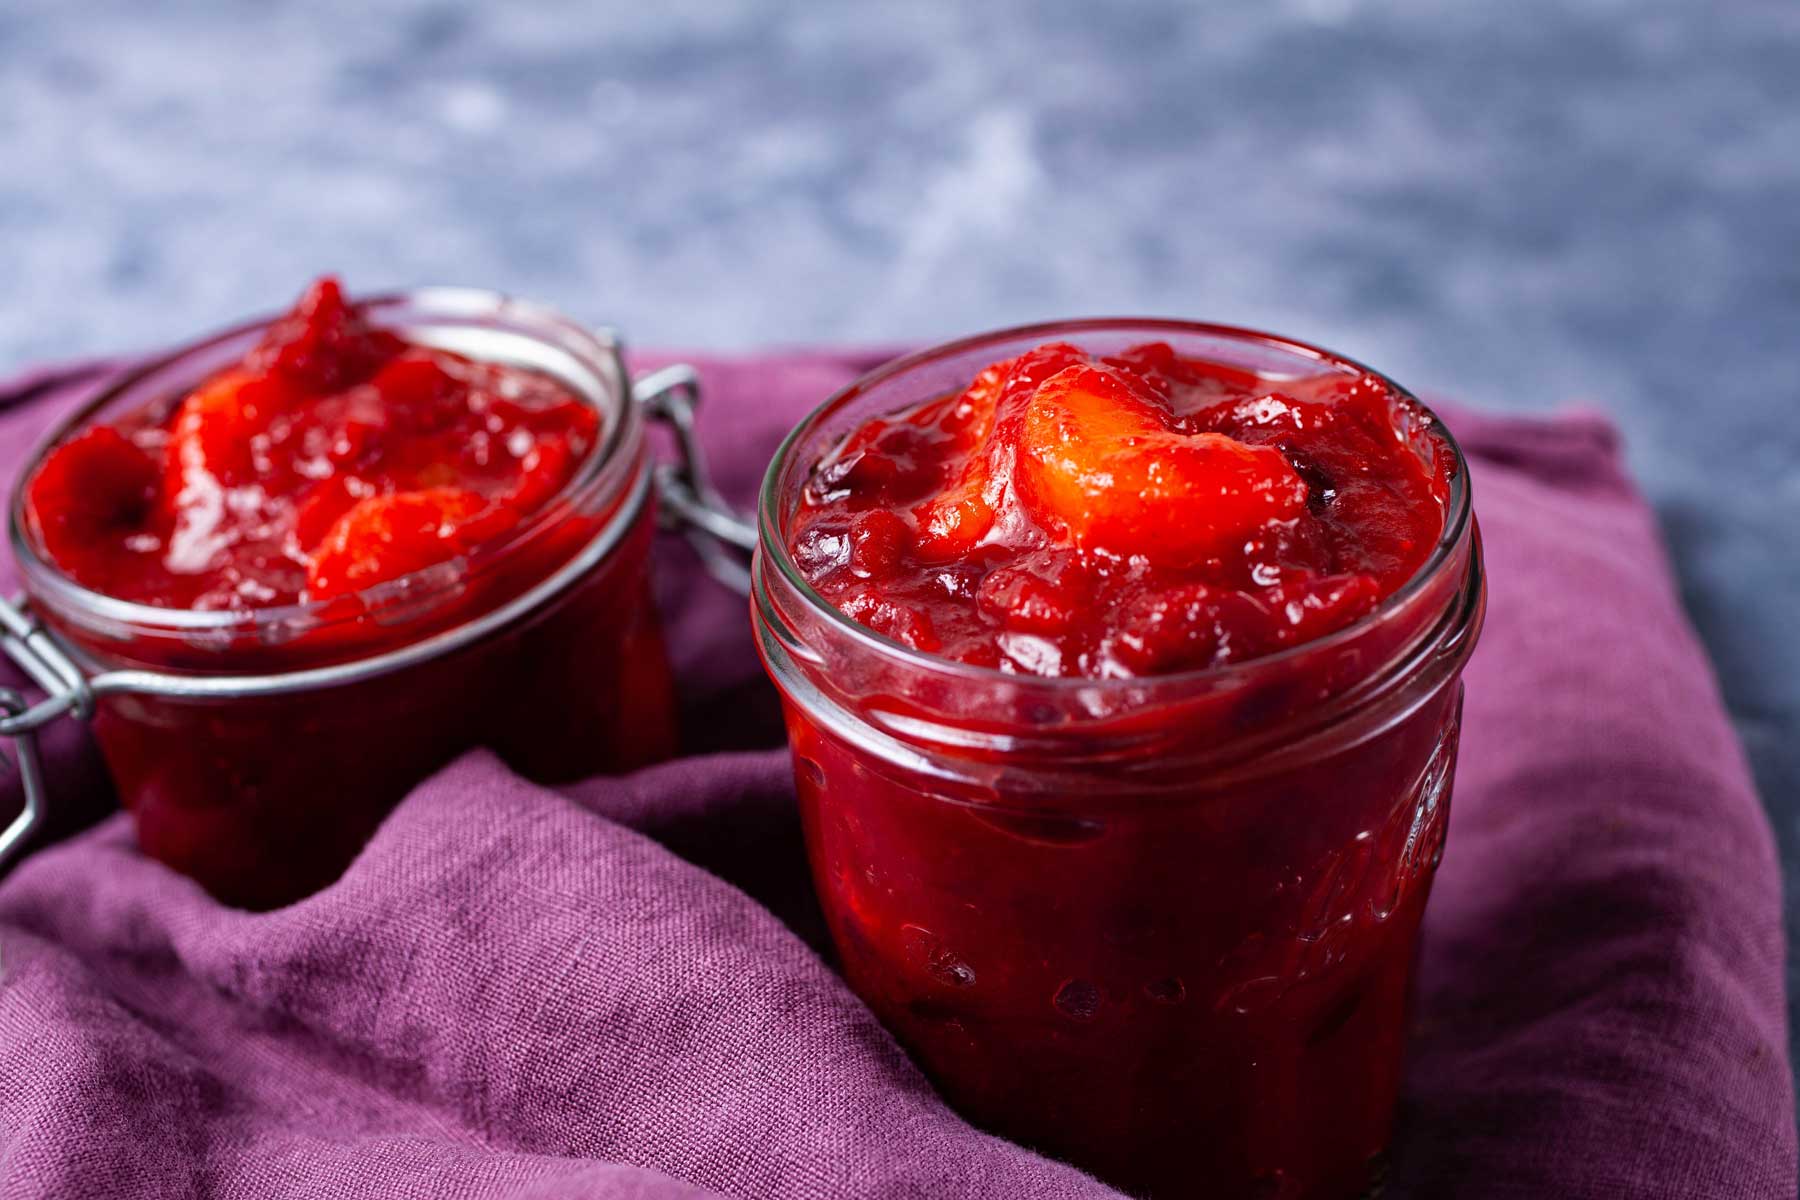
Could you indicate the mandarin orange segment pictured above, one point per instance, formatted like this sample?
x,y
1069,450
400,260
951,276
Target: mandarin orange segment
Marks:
x,y
982,425
953,522
1098,460
385,537
213,429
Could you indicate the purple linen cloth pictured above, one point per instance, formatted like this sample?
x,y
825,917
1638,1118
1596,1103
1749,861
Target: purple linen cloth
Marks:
x,y
615,989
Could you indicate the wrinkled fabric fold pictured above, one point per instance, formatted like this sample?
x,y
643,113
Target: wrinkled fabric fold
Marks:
x,y
620,988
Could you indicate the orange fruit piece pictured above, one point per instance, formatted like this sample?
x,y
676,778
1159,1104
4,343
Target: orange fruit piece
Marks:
x,y
381,538
1100,463
982,425
212,430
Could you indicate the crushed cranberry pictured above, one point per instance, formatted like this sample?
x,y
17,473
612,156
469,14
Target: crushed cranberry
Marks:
x,y
336,455
1134,515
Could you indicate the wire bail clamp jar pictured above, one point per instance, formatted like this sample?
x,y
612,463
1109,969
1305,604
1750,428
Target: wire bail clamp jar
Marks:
x,y
561,625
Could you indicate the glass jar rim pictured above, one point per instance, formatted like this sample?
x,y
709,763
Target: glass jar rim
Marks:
x,y
604,470
772,546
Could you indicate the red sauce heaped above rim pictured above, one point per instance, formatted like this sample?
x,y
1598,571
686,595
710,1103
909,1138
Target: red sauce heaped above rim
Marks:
x,y
334,456
1139,514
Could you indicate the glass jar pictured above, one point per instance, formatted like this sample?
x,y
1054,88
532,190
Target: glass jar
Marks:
x,y
1161,927
258,750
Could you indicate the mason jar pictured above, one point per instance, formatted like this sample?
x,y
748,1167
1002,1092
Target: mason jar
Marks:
x,y
1161,927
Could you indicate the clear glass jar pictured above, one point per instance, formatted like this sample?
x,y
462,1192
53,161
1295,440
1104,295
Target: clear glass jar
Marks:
x,y
258,750
1161,927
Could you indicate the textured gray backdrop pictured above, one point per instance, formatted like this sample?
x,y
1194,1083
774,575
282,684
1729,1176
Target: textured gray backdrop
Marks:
x,y
1520,204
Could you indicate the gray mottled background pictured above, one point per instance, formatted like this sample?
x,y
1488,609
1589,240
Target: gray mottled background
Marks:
x,y
1521,204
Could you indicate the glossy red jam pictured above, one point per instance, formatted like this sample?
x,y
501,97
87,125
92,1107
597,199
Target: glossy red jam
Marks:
x,y
332,491
334,457
1125,781
1130,515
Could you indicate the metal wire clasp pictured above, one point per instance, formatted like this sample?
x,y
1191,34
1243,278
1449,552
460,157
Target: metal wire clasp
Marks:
x,y
690,503
66,691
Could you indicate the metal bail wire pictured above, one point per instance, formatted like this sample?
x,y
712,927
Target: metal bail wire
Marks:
x,y
66,692
690,502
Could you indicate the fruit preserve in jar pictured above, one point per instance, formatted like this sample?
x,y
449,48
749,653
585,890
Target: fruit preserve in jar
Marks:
x,y
306,562
1121,664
